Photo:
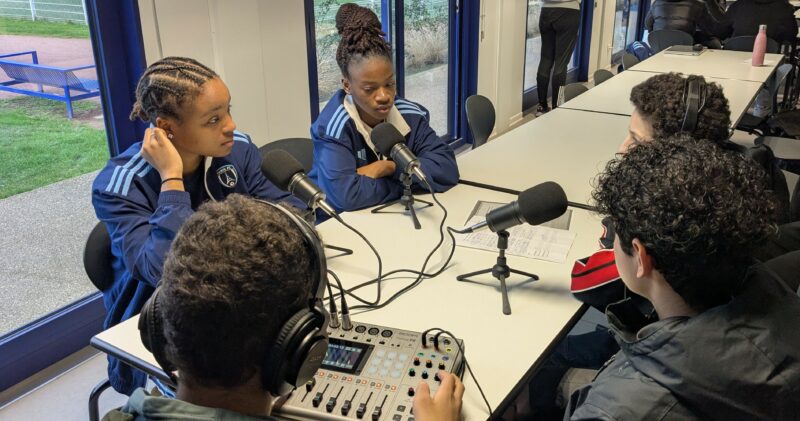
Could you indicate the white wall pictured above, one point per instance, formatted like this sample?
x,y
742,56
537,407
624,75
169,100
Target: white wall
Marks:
x,y
501,58
258,47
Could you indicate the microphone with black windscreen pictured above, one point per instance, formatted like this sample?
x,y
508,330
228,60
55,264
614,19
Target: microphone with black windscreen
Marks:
x,y
536,205
391,143
285,172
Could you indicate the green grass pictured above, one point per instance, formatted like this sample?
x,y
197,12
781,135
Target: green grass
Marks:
x,y
40,146
11,26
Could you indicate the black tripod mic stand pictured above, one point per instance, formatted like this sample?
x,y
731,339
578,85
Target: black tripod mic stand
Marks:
x,y
407,201
500,270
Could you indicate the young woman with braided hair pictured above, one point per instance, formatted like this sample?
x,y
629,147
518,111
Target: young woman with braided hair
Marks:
x,y
347,165
192,153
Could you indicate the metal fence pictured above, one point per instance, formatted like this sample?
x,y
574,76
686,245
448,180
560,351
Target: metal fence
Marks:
x,y
51,10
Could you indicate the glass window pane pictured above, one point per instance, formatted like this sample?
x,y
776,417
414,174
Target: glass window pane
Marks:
x,y
426,60
49,160
633,19
620,27
533,44
328,75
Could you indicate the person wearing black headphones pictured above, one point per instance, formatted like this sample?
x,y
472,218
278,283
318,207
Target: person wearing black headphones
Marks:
x,y
687,246
238,315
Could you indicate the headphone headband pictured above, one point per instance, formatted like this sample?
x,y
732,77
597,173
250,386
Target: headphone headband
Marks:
x,y
694,99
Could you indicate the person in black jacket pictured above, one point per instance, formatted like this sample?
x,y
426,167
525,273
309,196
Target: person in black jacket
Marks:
x,y
744,17
699,18
686,245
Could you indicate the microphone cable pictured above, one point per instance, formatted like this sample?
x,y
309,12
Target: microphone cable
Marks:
x,y
377,256
421,273
441,332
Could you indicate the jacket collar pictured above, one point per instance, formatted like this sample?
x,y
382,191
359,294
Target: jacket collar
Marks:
x,y
394,117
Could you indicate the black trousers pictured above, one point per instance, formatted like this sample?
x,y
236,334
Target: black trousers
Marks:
x,y
559,30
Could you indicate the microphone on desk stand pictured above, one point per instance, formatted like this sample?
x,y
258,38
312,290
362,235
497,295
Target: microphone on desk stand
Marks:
x,y
536,205
283,170
287,173
392,144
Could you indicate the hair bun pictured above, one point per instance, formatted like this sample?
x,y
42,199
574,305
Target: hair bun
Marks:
x,y
351,17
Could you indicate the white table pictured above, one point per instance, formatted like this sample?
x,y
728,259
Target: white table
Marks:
x,y
721,64
567,146
501,349
613,95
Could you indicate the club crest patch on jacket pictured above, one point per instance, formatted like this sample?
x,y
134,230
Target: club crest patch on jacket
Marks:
x,y
227,176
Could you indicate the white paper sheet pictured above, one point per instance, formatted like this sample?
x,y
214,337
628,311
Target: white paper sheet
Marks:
x,y
551,243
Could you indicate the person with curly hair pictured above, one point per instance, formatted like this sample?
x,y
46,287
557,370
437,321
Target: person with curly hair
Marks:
x,y
221,316
347,166
660,106
192,153
686,231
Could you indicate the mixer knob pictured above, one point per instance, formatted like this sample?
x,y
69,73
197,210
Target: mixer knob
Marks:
x,y
416,360
410,391
412,372
441,365
425,374
428,363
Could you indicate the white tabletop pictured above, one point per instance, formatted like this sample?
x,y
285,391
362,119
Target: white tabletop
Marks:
x,y
567,146
720,64
500,348
613,95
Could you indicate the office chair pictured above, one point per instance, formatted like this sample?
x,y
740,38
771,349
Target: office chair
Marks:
x,y
745,43
302,149
571,91
601,75
755,124
665,38
629,60
97,259
480,118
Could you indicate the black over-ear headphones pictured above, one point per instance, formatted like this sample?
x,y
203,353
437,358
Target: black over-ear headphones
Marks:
x,y
694,99
301,343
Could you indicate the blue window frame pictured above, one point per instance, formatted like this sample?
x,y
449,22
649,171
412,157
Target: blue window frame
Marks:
x,y
116,35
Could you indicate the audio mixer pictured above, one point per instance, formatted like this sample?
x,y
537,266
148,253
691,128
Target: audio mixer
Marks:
x,y
371,372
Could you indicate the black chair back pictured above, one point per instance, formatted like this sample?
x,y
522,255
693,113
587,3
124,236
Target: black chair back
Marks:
x,y
574,89
97,258
629,60
745,43
665,38
480,118
302,149
601,75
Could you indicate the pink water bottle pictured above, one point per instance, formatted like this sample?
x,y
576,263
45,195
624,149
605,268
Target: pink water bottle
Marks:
x,y
760,46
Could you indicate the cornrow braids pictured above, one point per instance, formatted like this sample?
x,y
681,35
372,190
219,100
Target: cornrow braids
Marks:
x,y
166,85
362,36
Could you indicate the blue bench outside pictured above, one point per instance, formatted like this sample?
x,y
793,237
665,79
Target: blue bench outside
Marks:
x,y
39,74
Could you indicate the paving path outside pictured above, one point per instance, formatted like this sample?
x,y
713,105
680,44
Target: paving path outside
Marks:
x,y
42,235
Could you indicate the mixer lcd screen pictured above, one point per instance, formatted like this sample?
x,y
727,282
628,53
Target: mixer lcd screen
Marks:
x,y
344,356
